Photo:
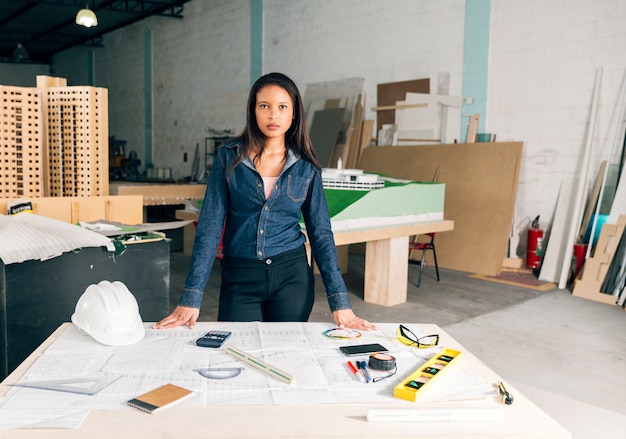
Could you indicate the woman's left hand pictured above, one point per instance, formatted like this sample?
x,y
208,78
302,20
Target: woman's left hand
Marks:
x,y
345,318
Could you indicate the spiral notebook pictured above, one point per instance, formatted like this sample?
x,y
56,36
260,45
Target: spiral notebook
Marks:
x,y
159,398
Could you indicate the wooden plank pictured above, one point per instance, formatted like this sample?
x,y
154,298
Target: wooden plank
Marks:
x,y
365,140
472,129
352,152
399,107
344,237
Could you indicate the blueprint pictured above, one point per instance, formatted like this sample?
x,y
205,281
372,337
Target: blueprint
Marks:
x,y
320,372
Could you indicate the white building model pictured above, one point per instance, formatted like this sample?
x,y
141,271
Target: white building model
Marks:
x,y
350,179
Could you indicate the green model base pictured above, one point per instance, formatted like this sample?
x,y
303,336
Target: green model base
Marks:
x,y
406,201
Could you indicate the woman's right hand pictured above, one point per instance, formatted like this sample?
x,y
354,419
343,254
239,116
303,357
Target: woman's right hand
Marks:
x,y
182,315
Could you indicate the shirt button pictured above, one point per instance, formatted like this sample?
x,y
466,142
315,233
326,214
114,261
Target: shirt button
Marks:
x,y
261,232
268,261
260,253
267,208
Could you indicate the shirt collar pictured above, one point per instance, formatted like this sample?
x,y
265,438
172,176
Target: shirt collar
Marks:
x,y
292,158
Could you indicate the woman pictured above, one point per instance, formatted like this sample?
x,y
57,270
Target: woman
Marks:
x,y
259,188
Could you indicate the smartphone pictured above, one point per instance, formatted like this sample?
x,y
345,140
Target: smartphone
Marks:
x,y
360,349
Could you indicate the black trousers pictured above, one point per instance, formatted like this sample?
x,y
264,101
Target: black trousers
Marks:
x,y
277,289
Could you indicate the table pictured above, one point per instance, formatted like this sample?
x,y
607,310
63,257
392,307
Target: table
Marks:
x,y
386,257
155,194
386,254
522,419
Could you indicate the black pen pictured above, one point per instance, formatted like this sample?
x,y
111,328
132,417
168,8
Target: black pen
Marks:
x,y
507,398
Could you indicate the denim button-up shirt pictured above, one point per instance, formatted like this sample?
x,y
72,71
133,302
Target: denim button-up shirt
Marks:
x,y
260,228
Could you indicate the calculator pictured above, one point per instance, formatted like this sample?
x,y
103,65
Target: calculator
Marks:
x,y
213,339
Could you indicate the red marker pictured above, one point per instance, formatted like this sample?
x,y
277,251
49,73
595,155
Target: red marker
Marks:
x,y
354,370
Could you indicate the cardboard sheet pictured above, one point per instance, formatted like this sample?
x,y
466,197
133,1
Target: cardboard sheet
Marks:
x,y
481,186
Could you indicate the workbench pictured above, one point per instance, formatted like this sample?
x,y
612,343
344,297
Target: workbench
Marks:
x,y
156,194
386,254
253,404
386,257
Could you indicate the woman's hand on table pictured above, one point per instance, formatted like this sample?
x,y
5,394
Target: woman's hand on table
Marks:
x,y
182,315
345,318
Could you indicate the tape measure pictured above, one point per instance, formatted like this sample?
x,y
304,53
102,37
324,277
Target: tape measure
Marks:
x,y
380,361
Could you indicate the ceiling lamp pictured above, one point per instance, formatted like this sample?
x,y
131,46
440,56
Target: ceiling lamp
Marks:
x,y
86,17
20,54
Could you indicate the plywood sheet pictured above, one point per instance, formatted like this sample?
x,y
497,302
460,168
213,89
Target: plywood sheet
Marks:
x,y
481,185
390,92
324,132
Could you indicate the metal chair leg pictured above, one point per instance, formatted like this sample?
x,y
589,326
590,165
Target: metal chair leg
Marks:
x,y
436,265
419,279
422,262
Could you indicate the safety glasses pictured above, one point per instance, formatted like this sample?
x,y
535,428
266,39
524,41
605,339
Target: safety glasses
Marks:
x,y
406,336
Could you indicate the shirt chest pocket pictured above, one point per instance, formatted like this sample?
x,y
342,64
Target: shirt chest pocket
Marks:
x,y
297,188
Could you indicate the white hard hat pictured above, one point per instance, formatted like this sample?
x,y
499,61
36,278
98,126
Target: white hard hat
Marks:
x,y
110,314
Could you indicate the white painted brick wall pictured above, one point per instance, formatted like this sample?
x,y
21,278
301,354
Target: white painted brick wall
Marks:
x,y
380,41
201,78
543,58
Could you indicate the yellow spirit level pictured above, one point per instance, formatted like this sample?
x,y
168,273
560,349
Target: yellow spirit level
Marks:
x,y
412,387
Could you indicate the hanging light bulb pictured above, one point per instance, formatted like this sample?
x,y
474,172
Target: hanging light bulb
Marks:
x,y
86,17
20,54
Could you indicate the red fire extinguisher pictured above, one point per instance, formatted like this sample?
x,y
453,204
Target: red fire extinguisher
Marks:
x,y
534,247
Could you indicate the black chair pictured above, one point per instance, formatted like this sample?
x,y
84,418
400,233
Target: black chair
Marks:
x,y
424,247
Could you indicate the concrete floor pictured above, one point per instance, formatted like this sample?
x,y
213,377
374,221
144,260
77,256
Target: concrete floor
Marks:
x,y
566,354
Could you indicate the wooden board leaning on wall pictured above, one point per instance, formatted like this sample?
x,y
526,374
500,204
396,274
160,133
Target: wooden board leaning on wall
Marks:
x,y
481,185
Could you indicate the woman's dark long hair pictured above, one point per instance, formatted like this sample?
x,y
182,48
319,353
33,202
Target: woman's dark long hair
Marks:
x,y
296,137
